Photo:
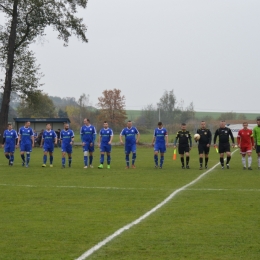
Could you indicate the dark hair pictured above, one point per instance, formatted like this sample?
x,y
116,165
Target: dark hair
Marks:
x,y
159,123
105,121
183,124
129,121
9,124
258,118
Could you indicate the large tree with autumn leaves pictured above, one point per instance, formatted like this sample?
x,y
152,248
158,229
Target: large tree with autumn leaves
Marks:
x,y
112,108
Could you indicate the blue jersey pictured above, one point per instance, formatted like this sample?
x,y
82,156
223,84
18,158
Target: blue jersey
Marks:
x,y
49,138
88,134
66,136
10,137
26,134
130,134
105,135
159,135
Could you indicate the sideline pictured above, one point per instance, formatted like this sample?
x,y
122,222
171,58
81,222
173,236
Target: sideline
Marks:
x,y
147,214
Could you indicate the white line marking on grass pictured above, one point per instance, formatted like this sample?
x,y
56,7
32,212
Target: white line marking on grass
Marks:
x,y
147,214
76,187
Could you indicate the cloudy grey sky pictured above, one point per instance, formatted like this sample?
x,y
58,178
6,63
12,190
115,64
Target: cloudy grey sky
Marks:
x,y
207,51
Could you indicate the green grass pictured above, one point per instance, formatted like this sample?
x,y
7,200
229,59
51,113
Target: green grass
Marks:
x,y
54,213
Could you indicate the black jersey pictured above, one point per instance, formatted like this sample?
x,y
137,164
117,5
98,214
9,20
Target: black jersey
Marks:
x,y
205,136
224,134
184,138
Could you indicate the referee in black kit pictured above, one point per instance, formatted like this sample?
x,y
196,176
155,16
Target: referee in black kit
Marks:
x,y
185,145
204,143
224,146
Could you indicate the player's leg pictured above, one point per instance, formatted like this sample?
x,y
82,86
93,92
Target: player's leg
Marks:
x,y
12,158
69,152
127,153
102,158
91,151
258,155
133,155
63,155
28,150
22,151
44,159
108,151
249,159
7,153
161,159
85,153
51,157
221,151
162,151
155,156
181,153
200,149
206,153
187,155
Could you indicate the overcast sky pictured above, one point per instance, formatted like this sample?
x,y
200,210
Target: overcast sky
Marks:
x,y
207,51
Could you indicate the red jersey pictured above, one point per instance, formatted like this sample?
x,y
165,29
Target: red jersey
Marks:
x,y
245,138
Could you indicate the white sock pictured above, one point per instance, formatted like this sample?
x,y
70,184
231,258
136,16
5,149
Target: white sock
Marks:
x,y
249,159
244,161
259,161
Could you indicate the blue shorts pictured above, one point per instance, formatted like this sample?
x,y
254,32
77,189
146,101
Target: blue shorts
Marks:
x,y
105,148
160,148
25,147
49,149
66,148
88,148
130,148
9,148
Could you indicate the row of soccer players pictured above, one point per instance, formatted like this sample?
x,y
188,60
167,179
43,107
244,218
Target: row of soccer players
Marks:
x,y
247,140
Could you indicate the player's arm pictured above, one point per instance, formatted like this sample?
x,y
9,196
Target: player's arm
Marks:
x,y
55,138
176,139
215,137
111,137
120,136
166,139
138,136
32,138
81,136
3,142
190,139
238,140
232,137
99,138
210,138
42,141
72,138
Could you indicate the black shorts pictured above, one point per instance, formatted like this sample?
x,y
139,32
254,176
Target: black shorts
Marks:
x,y
257,148
183,149
224,147
203,149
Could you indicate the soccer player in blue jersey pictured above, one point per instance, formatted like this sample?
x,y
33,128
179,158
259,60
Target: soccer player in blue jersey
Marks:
x,y
130,133
104,143
160,141
67,139
49,138
26,141
9,143
88,135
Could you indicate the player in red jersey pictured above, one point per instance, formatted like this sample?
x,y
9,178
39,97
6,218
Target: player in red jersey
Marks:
x,y
245,141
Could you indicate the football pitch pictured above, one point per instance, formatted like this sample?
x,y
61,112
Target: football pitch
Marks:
x,y
55,213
